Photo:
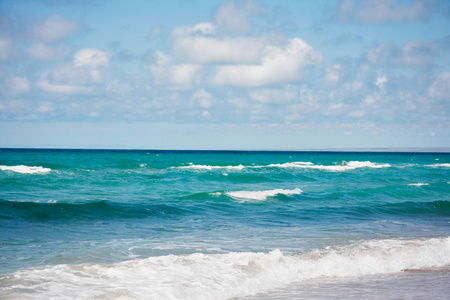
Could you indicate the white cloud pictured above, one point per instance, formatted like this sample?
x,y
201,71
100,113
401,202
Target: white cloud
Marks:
x,y
200,45
43,52
368,101
91,58
332,74
235,17
202,28
380,82
15,86
440,88
69,89
205,50
204,99
182,76
5,49
53,28
79,77
278,65
384,11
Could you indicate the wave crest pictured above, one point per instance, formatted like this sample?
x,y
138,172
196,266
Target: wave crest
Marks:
x,y
261,195
25,169
209,168
345,166
210,276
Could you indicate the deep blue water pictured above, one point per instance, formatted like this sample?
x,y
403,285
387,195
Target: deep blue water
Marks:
x,y
188,221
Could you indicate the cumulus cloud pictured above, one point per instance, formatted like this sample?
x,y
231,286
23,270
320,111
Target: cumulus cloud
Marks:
x,y
207,49
384,11
79,77
53,28
277,65
15,86
44,52
91,58
181,76
235,17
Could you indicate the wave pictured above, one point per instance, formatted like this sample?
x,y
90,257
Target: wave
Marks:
x,y
418,184
25,169
223,276
261,195
208,167
107,210
446,165
103,210
345,166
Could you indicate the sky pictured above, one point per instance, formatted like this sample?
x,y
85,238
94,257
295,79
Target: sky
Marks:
x,y
244,75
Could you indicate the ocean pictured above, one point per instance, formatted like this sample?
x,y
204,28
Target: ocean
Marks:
x,y
138,224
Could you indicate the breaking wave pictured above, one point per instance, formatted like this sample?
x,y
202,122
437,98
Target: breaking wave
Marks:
x,y
222,276
25,169
261,195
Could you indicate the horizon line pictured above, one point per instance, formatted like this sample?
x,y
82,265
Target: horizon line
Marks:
x,y
343,149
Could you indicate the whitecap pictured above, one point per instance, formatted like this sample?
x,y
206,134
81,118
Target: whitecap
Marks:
x,y
445,165
298,164
25,169
261,195
418,184
209,167
222,276
345,166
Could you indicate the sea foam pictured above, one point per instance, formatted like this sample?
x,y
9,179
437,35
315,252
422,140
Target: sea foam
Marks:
x,y
418,184
209,168
261,195
446,165
345,166
25,169
222,276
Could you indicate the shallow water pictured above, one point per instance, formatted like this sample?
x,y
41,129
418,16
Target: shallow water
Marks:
x,y
217,225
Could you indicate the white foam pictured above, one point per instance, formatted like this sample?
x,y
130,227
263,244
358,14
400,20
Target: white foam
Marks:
x,y
298,164
221,276
418,184
261,195
209,168
345,166
446,165
25,169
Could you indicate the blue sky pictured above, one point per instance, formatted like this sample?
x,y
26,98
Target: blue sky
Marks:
x,y
190,74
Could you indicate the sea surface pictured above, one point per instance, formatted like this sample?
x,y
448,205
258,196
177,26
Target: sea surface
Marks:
x,y
118,224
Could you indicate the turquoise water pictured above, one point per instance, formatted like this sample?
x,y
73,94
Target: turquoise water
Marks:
x,y
214,225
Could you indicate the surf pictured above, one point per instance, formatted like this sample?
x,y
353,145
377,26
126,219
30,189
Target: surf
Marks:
x,y
224,276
